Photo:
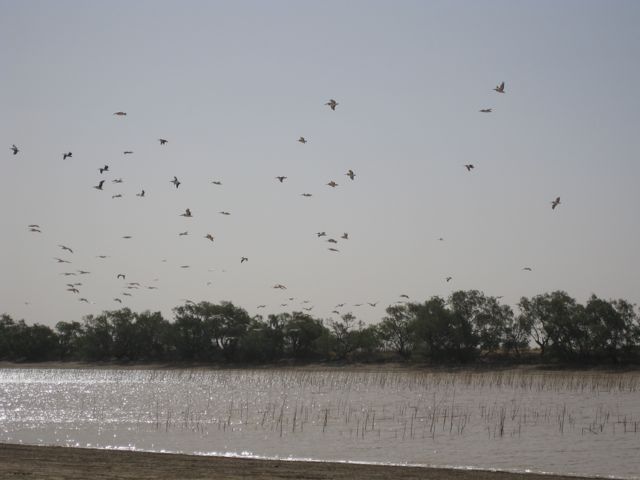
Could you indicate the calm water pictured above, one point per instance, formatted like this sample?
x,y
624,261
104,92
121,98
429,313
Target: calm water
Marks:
x,y
572,423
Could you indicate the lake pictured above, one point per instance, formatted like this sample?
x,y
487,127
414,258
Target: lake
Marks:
x,y
574,422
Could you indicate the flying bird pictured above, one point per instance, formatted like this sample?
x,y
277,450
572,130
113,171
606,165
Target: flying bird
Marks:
x,y
332,240
448,279
321,234
15,149
127,152
187,213
528,269
469,167
280,286
127,237
345,236
120,114
334,249
306,194
244,259
119,195
117,180
66,155
104,169
61,260
33,225
141,194
216,182
35,230
282,179
332,103
83,300
64,247
350,174
182,234
102,256
302,140
117,300
162,141
372,304
261,306
208,236
83,272
500,88
555,203
185,266
332,184
224,213
99,186
126,294
121,275
74,290
404,296
486,110
175,181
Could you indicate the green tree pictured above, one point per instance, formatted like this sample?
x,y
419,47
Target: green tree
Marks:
x,y
396,330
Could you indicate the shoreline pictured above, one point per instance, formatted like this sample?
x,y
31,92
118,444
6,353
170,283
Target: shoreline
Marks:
x,y
31,462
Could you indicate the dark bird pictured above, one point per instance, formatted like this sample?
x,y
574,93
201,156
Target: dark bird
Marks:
x,y
119,195
121,275
66,155
350,174
127,237
120,114
372,304
99,186
332,240
117,300
117,180
64,247
187,213
74,290
175,181
321,234
261,306
486,110
35,230
83,272
104,169
185,266
224,213
126,294
83,300
345,236
141,194
448,279
469,167
332,103
33,225
102,256
61,260
335,311
216,182
306,194
208,236
302,140
404,296
282,179
340,305
162,141
127,152
555,203
68,274
334,249
15,149
280,286
332,184
182,234
528,269
243,259
500,88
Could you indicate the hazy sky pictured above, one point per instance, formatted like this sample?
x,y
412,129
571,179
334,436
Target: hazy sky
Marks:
x,y
232,86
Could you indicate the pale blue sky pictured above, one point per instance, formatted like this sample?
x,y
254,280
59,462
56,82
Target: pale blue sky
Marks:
x,y
232,85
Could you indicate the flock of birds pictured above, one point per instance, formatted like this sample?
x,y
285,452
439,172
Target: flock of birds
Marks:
x,y
128,287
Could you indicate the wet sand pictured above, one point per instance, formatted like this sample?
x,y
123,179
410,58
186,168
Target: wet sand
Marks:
x,y
60,463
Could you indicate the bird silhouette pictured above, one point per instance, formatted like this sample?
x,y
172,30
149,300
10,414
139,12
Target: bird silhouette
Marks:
x,y
332,103
448,279
127,237
306,194
224,213
321,234
74,290
162,141
119,195
486,110
83,300
64,247
117,300
345,236
83,272
185,266
33,225
99,186
332,240
261,306
208,236
175,181
279,286
372,304
15,149
187,213
126,294
350,174
117,180
120,114
528,269
182,234
121,275
469,167
332,184
555,203
404,296
216,182
282,179
141,194
61,260
500,88
333,249
66,155
127,152
35,230
104,169
302,140
244,259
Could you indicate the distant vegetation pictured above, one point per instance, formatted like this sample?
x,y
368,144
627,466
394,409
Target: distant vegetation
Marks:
x,y
466,327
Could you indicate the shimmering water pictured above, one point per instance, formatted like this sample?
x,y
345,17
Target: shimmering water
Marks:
x,y
572,423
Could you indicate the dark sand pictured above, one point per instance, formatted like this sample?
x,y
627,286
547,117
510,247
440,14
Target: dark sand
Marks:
x,y
58,463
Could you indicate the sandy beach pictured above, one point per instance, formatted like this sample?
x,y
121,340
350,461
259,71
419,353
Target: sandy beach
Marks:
x,y
59,463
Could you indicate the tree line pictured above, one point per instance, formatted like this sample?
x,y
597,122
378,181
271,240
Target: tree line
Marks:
x,y
467,326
